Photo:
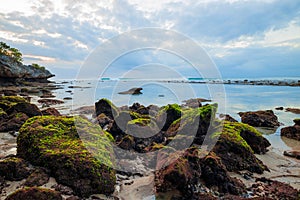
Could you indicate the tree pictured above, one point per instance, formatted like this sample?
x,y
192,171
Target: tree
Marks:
x,y
14,53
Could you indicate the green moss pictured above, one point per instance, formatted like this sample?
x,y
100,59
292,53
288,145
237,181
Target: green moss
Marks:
x,y
54,142
2,112
140,122
174,107
12,99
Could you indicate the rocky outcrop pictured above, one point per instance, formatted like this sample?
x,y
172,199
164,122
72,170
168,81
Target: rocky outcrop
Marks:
x,y
293,110
292,132
105,106
54,143
167,115
35,193
260,118
12,70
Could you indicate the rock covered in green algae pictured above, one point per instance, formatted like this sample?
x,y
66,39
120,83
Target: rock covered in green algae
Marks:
x,y
167,115
35,193
107,107
14,169
194,122
236,146
54,143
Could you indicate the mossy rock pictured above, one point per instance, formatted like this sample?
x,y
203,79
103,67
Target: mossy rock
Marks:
x,y
195,122
54,143
236,154
142,128
3,115
167,115
14,169
35,193
7,101
107,107
297,122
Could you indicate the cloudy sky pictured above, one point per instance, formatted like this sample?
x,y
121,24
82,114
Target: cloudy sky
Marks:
x,y
244,38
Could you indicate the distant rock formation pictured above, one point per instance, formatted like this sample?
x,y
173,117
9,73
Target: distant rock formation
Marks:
x,y
13,71
133,91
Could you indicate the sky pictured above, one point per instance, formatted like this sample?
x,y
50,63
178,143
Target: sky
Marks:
x,y
244,38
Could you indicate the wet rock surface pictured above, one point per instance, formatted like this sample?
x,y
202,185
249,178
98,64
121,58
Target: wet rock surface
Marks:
x,y
35,193
292,132
260,118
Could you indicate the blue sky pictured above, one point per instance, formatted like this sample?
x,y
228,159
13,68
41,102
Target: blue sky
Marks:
x,y
245,38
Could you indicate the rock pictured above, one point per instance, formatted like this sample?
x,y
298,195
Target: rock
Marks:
x,y
195,103
194,122
227,117
293,110
292,132
14,169
73,198
35,193
105,106
293,154
127,142
10,69
38,178
7,101
14,122
236,154
54,143
51,111
49,102
104,121
274,189
260,118
68,98
3,115
167,115
29,109
191,171
85,110
142,128
279,108
132,91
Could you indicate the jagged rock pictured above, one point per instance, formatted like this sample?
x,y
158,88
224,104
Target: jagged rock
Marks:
x,y
54,143
10,69
105,106
194,122
35,193
167,115
235,151
292,132
260,118
227,117
14,169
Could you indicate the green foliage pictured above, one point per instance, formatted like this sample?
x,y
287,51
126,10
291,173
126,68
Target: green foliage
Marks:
x,y
37,66
14,53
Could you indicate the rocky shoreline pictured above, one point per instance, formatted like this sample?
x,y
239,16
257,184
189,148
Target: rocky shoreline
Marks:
x,y
240,166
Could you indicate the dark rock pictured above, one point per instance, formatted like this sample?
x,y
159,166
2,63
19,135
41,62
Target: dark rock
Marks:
x,y
167,115
292,132
195,103
132,91
279,108
260,118
236,154
54,143
127,142
29,109
63,189
68,98
34,193
51,111
142,128
73,198
50,101
293,154
227,117
3,115
14,169
38,178
103,121
105,106
293,110
14,122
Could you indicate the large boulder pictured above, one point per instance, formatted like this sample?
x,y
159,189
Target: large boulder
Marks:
x,y
54,143
10,69
261,118
292,132
35,193
106,107
236,146
191,172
